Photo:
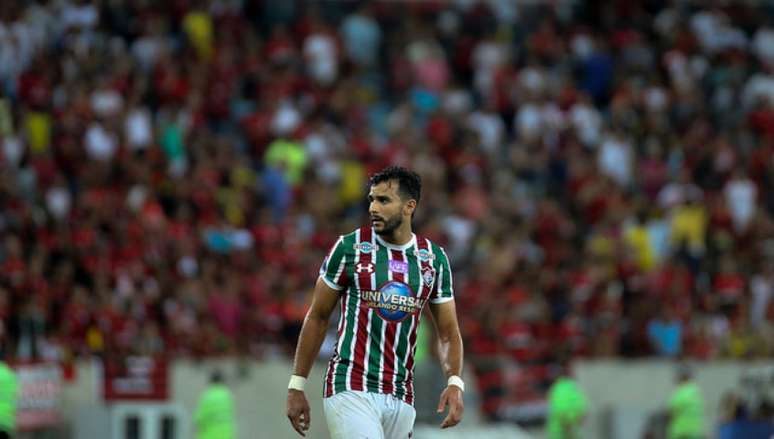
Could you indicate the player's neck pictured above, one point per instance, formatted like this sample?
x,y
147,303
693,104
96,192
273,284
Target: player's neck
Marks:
x,y
399,236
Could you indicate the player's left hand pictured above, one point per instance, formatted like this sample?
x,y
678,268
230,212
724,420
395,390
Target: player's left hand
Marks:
x,y
452,397
298,411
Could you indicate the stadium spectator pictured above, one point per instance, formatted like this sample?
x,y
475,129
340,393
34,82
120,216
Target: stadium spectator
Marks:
x,y
590,160
666,333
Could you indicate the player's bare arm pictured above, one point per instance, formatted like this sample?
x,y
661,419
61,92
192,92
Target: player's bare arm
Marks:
x,y
309,341
451,353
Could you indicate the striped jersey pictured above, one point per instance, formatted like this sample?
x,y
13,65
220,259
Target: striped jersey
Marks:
x,y
383,288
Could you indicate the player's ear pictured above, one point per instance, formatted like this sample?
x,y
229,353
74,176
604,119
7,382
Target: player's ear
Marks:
x,y
409,207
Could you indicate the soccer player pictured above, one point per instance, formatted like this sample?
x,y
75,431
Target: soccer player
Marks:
x,y
686,408
9,399
382,276
567,408
214,417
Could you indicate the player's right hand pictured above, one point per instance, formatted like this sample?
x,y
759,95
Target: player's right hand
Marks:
x,y
298,411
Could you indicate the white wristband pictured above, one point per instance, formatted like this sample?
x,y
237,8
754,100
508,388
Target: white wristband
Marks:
x,y
297,383
454,380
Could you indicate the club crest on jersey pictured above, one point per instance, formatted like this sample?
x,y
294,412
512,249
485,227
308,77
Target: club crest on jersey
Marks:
x,y
393,302
428,275
424,255
362,267
364,247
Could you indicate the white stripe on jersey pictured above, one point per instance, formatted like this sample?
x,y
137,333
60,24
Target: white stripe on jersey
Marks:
x,y
348,377
342,324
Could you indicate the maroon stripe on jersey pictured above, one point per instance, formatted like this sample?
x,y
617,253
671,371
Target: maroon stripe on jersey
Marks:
x,y
389,339
422,244
332,362
364,283
329,377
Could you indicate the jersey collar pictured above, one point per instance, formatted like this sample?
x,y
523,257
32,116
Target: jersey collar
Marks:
x,y
403,247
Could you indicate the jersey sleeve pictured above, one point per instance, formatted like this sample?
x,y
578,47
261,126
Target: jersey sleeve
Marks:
x,y
332,270
443,288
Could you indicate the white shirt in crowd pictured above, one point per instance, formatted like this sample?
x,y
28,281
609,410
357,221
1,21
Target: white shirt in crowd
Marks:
x,y
488,56
763,44
84,16
58,201
587,123
740,196
106,102
490,129
321,58
615,159
138,128
101,145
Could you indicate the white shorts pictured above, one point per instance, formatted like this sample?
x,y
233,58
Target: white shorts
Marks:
x,y
364,415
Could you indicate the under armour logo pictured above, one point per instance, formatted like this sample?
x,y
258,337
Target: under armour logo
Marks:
x,y
361,267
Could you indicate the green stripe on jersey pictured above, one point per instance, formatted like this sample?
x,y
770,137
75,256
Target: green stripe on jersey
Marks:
x,y
444,272
350,328
334,260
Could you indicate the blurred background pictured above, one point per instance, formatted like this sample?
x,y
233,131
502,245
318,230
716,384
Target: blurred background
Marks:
x,y
601,174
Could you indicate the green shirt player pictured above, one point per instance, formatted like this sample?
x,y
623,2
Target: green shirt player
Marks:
x,y
9,393
214,417
381,276
567,407
686,408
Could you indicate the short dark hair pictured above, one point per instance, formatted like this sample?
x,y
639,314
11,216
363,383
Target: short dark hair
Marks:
x,y
409,182
216,377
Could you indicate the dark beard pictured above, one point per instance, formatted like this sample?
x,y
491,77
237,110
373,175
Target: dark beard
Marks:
x,y
390,226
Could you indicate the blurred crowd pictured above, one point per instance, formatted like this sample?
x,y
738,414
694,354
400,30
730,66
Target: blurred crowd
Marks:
x,y
600,173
